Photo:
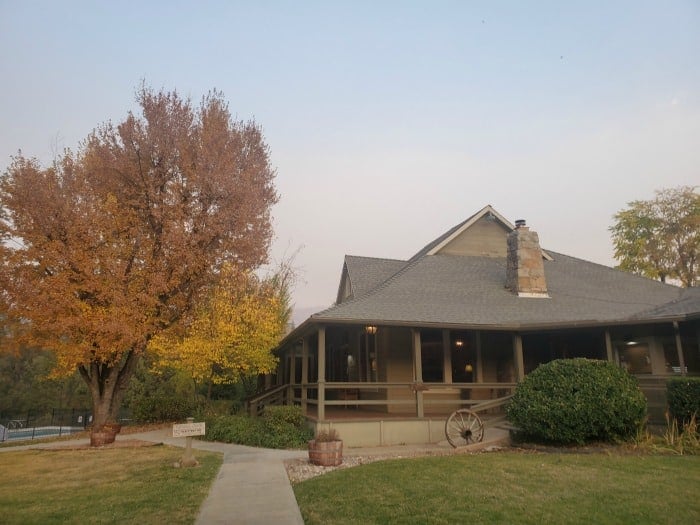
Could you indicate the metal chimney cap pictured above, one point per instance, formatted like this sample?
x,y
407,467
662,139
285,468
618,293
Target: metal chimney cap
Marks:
x,y
520,223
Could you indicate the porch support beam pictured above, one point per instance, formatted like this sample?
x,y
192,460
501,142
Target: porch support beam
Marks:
x,y
518,357
479,369
292,375
609,347
304,372
279,376
679,347
446,357
321,415
417,370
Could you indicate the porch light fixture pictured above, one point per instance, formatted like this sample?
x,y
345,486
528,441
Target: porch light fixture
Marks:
x,y
631,343
371,330
469,368
459,343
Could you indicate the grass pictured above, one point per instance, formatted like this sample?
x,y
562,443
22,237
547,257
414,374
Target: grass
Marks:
x,y
508,487
120,485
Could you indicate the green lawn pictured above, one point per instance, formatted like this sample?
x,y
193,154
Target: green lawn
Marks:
x,y
120,485
509,487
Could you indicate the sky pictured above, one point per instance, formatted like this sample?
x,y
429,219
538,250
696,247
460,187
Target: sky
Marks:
x,y
388,122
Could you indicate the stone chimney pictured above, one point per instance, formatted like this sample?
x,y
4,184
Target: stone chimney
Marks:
x,y
524,269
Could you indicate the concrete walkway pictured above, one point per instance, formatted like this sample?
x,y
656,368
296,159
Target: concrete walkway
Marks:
x,y
252,486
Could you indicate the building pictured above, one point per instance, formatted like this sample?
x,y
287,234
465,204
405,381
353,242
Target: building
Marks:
x,y
462,321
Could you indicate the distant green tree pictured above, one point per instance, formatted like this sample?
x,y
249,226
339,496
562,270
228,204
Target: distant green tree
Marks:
x,y
660,238
26,384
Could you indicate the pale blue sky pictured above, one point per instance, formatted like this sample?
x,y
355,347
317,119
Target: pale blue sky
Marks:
x,y
389,122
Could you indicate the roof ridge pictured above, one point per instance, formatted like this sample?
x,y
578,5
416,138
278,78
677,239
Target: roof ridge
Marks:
x,y
425,249
374,258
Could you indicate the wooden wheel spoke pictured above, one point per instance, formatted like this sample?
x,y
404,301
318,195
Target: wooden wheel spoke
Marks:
x,y
464,427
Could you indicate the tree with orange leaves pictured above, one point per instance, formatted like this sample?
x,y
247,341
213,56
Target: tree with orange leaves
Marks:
x,y
117,243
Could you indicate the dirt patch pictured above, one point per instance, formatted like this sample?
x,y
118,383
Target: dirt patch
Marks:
x,y
119,443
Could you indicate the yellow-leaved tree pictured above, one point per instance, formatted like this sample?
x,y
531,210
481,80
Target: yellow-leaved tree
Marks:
x,y
231,334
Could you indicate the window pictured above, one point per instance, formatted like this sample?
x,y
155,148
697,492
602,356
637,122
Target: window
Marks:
x,y
432,356
368,355
691,356
635,358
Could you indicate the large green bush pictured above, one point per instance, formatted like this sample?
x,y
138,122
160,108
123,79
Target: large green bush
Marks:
x,y
279,427
683,395
577,400
160,407
165,395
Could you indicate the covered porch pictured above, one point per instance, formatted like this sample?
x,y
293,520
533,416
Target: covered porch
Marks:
x,y
397,384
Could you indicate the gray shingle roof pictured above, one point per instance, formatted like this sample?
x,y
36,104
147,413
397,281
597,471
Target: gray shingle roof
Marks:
x,y
366,273
687,305
469,291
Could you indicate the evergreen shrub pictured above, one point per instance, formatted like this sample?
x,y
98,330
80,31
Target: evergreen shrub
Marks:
x,y
573,401
158,408
683,396
279,427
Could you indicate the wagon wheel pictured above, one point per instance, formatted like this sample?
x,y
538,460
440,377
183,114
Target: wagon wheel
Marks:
x,y
464,427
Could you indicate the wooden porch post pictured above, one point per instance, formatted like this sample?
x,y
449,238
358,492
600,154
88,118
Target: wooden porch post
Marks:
x,y
417,371
292,375
679,347
280,371
446,357
304,372
518,357
321,415
479,369
609,347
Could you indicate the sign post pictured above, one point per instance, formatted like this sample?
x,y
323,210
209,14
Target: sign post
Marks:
x,y
187,430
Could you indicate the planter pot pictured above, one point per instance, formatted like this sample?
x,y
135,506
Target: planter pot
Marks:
x,y
102,437
326,453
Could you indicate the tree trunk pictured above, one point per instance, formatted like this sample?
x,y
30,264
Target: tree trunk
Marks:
x,y
107,385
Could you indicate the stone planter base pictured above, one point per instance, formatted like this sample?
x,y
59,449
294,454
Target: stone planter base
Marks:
x,y
115,428
104,437
326,453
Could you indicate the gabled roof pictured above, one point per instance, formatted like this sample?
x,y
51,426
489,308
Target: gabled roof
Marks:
x,y
445,287
362,274
470,292
487,212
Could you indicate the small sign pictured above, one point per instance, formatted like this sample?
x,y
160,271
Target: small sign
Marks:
x,y
188,429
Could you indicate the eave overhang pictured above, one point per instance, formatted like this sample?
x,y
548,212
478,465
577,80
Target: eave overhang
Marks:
x,y
307,327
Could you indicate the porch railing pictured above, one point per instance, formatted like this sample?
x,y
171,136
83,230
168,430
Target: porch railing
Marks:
x,y
273,396
422,396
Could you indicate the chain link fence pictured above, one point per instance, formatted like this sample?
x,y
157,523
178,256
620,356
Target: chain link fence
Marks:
x,y
56,422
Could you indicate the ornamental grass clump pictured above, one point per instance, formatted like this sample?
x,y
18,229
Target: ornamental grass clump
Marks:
x,y
574,401
327,435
